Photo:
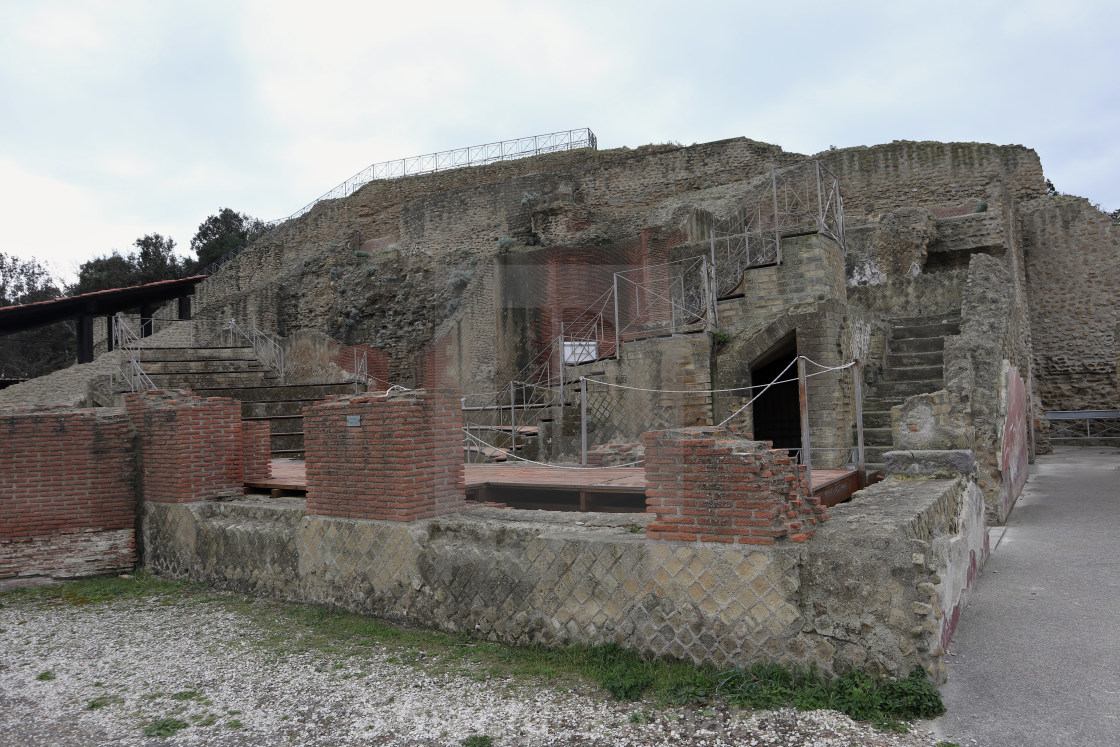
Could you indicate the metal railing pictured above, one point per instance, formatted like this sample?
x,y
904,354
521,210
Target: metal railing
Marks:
x,y
268,350
474,155
126,368
1084,425
794,200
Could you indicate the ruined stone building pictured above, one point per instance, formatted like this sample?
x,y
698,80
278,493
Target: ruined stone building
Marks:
x,y
595,306
464,276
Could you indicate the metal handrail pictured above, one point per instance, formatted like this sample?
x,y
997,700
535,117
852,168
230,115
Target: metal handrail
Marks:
x,y
127,344
268,350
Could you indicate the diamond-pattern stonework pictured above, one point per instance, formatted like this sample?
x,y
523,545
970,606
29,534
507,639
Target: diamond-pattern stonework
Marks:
x,y
514,578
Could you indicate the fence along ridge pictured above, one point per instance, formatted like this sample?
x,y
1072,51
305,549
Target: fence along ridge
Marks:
x,y
457,158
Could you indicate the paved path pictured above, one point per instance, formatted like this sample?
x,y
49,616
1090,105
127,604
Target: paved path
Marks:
x,y
1036,658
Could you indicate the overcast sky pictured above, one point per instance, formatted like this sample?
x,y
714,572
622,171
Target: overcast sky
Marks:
x,y
119,119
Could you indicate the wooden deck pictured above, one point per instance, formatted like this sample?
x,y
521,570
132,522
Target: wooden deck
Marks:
x,y
501,482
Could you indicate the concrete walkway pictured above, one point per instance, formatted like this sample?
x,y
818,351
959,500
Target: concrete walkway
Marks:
x,y
1036,657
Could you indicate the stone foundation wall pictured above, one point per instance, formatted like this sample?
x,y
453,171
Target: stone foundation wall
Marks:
x,y
876,587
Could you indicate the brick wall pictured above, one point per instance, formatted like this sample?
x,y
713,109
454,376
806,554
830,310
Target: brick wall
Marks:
x,y
256,454
190,446
712,485
400,460
67,492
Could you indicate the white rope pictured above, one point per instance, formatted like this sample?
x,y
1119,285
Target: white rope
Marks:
x,y
751,402
683,391
544,464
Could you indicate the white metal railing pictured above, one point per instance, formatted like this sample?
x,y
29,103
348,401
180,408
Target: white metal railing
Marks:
x,y
1083,425
126,368
361,370
268,350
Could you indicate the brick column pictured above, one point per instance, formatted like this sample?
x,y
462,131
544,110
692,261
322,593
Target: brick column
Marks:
x,y
396,458
712,485
256,449
190,446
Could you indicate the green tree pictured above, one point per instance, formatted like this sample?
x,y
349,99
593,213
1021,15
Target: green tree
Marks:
x,y
154,260
220,234
32,352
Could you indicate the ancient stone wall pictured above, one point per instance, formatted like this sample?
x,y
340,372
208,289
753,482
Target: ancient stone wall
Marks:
x,y
67,492
1072,265
906,173
830,333
878,587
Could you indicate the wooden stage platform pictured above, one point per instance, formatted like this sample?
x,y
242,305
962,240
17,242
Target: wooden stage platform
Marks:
x,y
558,488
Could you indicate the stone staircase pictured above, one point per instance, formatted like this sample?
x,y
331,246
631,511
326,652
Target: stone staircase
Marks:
x,y
915,365
235,372
282,406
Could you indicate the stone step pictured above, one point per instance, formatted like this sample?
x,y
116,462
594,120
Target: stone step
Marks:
x,y
205,366
902,389
875,453
911,331
877,436
914,373
902,360
201,382
250,510
287,453
278,392
196,354
279,423
876,419
917,345
268,410
916,321
285,442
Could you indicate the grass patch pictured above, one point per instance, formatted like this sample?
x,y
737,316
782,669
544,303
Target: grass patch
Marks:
x,y
186,695
164,727
100,590
477,740
46,676
287,629
103,700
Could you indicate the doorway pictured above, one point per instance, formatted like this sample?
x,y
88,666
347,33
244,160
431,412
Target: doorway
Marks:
x,y
777,412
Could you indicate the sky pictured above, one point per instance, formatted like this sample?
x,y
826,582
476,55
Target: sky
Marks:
x,y
119,119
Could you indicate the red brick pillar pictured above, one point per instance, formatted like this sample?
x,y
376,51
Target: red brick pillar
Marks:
x,y
712,485
256,449
190,446
395,457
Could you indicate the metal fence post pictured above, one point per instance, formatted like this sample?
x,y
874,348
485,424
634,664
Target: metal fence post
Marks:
x,y
861,475
583,420
803,395
617,348
512,417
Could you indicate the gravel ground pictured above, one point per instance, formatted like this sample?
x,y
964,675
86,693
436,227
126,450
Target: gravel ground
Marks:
x,y
101,673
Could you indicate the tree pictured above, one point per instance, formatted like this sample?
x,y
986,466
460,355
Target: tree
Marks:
x,y
156,260
25,281
220,234
32,352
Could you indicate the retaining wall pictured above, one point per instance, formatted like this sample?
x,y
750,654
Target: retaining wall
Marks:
x,y
67,492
